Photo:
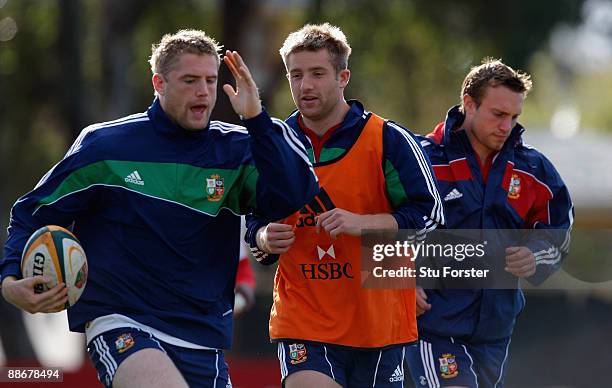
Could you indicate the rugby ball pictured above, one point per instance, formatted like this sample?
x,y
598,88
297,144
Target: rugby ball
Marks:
x,y
55,252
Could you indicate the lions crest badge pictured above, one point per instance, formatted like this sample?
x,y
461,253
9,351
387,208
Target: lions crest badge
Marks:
x,y
124,342
448,366
214,188
514,191
297,353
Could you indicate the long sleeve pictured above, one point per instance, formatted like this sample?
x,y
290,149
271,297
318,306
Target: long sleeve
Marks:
x,y
286,179
551,219
51,202
253,224
410,182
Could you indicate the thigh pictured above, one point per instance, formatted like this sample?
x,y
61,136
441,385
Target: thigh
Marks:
x,y
309,378
148,368
441,362
129,355
382,368
328,362
490,360
201,368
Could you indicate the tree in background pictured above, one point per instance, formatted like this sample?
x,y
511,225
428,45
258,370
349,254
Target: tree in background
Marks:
x,y
71,63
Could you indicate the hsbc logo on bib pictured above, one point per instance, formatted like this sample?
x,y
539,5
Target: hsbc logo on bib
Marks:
x,y
327,271
328,268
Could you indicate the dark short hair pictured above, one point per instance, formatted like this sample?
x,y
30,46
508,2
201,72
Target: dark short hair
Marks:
x,y
493,72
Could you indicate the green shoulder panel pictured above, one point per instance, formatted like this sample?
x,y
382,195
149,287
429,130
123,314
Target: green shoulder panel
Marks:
x,y
206,190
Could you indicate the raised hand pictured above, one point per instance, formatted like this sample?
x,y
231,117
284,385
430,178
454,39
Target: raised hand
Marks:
x,y
245,98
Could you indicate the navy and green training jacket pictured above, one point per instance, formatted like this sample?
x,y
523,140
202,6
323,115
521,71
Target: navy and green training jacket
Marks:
x,y
156,209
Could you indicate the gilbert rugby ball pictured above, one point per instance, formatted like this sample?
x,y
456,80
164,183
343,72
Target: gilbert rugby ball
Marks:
x,y
55,252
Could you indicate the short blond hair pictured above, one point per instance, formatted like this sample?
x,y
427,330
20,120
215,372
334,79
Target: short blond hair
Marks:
x,y
493,72
165,53
314,37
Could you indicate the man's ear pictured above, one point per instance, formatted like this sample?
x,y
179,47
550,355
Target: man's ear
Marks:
x,y
158,83
469,104
344,77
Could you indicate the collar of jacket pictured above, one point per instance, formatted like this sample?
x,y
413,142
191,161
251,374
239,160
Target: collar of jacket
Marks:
x,y
455,136
162,123
355,114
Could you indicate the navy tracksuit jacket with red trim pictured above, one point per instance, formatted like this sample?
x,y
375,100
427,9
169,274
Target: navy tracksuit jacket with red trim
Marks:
x,y
522,191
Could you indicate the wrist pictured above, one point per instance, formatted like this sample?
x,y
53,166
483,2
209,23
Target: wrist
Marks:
x,y
254,113
8,279
5,282
260,239
383,221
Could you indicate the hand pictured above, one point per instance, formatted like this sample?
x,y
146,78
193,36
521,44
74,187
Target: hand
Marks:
x,y
245,99
338,221
421,301
20,293
520,261
275,238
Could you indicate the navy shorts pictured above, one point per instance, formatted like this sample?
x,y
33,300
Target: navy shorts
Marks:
x,y
348,367
200,368
445,361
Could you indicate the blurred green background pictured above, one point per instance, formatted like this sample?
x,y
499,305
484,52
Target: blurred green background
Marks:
x,y
66,63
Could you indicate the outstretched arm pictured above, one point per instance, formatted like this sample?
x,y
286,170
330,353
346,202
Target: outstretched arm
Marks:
x,y
284,179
